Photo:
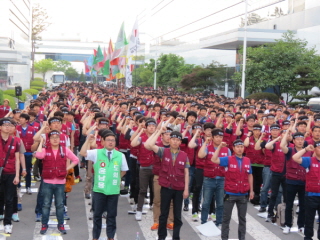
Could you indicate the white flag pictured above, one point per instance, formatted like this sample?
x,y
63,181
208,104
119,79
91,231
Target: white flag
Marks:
x,y
129,73
134,41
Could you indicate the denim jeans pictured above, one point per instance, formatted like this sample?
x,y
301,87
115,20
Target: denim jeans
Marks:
x,y
266,177
212,187
28,159
39,199
191,176
48,191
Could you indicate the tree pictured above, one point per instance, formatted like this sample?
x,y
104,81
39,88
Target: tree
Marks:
x,y
43,66
62,65
71,73
82,77
274,65
39,24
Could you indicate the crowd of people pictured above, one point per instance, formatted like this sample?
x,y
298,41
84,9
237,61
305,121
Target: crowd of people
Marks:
x,y
170,146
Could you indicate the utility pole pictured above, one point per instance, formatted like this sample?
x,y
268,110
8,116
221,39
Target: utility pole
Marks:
x,y
155,75
243,83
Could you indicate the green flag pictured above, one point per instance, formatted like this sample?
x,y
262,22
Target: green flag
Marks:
x,y
106,68
99,57
120,43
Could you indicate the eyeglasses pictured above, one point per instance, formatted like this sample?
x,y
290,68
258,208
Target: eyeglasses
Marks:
x,y
110,140
54,138
7,125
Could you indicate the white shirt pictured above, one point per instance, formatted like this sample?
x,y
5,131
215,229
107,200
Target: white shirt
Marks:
x,y
93,154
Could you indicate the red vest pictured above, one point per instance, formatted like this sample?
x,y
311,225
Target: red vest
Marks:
x,y
255,156
245,132
211,169
55,167
267,130
145,156
172,175
69,127
64,129
199,161
35,125
123,143
10,167
187,150
267,154
28,138
313,176
157,161
77,135
98,142
295,171
278,159
4,110
237,181
40,117
226,136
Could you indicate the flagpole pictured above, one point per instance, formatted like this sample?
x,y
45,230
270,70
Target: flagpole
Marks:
x,y
135,72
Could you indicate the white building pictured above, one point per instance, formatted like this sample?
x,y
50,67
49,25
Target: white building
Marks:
x,y
15,43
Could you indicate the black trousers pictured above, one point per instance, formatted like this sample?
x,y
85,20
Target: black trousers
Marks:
x,y
9,191
292,191
108,203
197,187
166,196
257,180
276,181
312,205
133,180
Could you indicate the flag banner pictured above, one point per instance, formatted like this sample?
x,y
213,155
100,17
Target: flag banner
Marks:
x,y
134,41
120,43
98,57
129,73
90,61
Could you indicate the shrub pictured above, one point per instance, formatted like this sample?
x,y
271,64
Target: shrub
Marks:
x,y
1,97
38,79
12,92
296,103
264,95
36,88
12,101
31,91
38,83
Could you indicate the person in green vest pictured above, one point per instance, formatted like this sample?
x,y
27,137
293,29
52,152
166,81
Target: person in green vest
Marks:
x,y
109,167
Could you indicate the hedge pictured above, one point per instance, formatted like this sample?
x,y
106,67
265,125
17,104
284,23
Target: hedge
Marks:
x,y
1,97
38,79
12,101
264,95
38,83
36,88
12,92
296,103
31,91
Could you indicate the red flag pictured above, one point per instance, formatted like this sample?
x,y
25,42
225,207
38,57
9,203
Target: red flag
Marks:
x,y
94,52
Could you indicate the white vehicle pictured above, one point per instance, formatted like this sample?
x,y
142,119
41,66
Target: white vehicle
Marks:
x,y
314,104
56,79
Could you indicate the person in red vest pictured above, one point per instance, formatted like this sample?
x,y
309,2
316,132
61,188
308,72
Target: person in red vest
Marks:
x,y
5,108
33,122
295,179
26,133
312,197
174,182
10,172
238,183
146,160
55,169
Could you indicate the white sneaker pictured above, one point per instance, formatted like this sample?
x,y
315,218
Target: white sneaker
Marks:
x,y
195,217
138,216
90,215
286,230
29,192
131,201
297,210
134,208
301,230
8,229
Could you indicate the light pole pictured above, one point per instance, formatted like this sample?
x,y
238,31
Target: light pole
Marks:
x,y
243,83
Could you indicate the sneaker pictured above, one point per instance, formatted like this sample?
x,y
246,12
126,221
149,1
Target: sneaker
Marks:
x,y
8,229
195,217
79,178
62,229
150,207
104,215
262,209
134,208
87,196
29,192
170,226
131,201
44,229
90,215
155,227
301,229
186,208
269,217
286,230
65,216
297,210
199,208
37,178
124,191
212,217
138,216
15,217
19,207
38,217
1,217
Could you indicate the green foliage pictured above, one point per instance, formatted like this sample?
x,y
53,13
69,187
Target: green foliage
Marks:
x,y
264,95
43,66
38,83
12,92
31,91
61,66
37,79
71,73
36,88
12,101
297,103
274,65
82,77
1,96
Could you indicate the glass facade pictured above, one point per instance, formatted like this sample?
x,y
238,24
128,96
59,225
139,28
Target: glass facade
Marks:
x,y
71,57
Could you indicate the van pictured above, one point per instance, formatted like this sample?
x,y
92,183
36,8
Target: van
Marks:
x,y
314,104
